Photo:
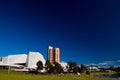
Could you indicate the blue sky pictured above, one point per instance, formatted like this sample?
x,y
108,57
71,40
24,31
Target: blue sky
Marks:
x,y
85,31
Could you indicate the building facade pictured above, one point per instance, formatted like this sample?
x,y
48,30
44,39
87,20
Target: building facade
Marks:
x,y
22,60
33,58
53,55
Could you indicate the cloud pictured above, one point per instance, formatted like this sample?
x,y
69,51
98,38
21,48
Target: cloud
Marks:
x,y
91,64
118,60
110,63
106,63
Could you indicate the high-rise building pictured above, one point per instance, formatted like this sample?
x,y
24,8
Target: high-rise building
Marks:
x,y
53,55
50,54
57,55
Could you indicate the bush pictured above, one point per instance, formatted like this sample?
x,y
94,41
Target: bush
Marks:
x,y
88,72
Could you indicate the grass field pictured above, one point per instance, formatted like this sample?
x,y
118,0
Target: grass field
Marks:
x,y
4,75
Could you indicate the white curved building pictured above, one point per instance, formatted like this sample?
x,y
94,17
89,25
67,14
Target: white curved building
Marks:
x,y
23,60
33,58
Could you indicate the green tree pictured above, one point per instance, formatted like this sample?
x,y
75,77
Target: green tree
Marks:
x,y
112,68
83,68
117,69
72,67
39,65
49,67
58,68
76,69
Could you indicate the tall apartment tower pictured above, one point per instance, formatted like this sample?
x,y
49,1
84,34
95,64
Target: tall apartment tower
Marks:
x,y
57,54
50,54
53,55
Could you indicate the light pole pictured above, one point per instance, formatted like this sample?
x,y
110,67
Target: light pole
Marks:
x,y
9,66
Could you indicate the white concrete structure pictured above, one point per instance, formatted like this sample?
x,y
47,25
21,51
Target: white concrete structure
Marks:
x,y
33,58
15,59
22,60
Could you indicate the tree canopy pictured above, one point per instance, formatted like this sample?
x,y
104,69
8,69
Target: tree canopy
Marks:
x,y
39,65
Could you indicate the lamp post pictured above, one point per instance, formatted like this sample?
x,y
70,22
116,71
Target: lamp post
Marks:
x,y
9,66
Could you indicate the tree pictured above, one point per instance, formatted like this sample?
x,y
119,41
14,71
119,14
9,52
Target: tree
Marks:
x,y
49,67
39,65
76,69
117,69
112,68
72,67
58,68
83,68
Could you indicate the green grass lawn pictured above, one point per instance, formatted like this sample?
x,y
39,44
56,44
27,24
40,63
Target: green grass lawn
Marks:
x,y
26,76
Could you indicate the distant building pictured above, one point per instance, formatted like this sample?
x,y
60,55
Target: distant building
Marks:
x,y
93,68
53,55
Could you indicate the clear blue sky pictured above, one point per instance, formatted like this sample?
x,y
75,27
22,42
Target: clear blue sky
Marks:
x,y
86,31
